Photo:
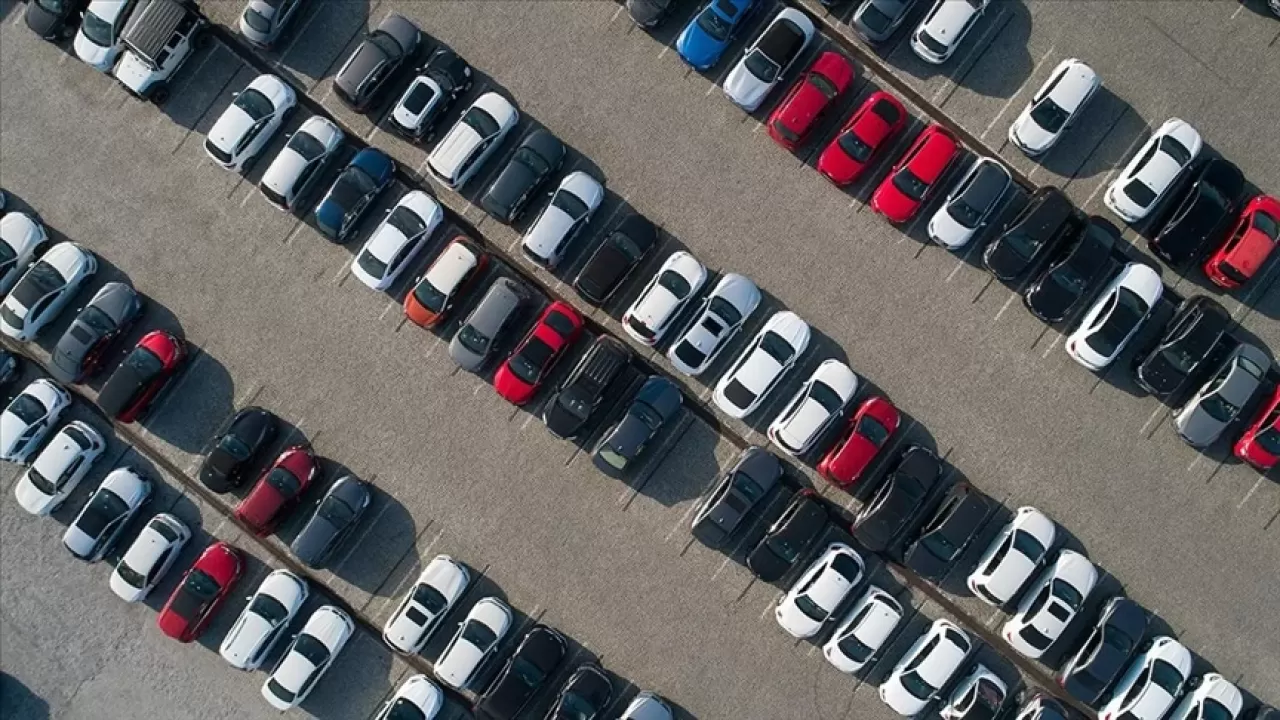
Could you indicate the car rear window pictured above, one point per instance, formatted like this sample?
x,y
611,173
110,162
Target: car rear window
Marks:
x,y
415,101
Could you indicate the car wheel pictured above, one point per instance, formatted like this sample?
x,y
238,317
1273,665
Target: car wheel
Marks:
x,y
67,32
160,95
1194,682
203,39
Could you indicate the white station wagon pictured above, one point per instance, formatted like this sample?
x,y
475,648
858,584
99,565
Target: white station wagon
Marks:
x,y
475,643
59,468
568,212
300,163
760,367
397,240
472,139
245,128
942,30
102,519
864,632
1013,557
721,316
820,591
816,405
670,290
1150,174
311,654
44,289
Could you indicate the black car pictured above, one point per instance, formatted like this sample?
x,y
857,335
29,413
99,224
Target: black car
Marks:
x,y
394,42
1264,712
876,20
900,501
648,13
1047,220
439,84
615,258
946,535
584,696
8,367
54,19
568,411
1054,295
109,314
538,157
1199,220
336,516
788,537
748,481
1106,652
1188,339
653,406
235,448
526,672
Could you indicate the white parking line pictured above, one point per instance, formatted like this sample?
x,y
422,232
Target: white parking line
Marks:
x,y
1154,414
616,13
1237,12
1057,336
434,344
390,305
17,19
1012,296
527,420
1005,107
772,604
1112,173
1252,490
665,50
973,245
1195,461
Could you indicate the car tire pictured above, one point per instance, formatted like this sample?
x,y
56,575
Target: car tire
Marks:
x,y
1194,682
159,95
67,32
203,39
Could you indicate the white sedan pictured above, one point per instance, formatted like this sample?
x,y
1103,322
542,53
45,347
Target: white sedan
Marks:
x,y
46,287
59,468
937,36
298,165
20,236
417,698
1051,604
820,591
1212,697
1151,684
760,367
926,667
1054,107
766,60
1013,556
475,642
672,287
102,519
397,240
816,405
569,211
264,620
720,317
245,128
979,695
1114,318
436,591
30,416
1150,174
149,557
310,655
865,630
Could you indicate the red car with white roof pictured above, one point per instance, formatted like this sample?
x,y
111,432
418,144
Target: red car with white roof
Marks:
x,y
875,421
828,77
519,377
916,175
279,486
1248,246
202,590
867,131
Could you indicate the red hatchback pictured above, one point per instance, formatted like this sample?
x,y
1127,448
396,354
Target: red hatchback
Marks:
x,y
1260,444
871,427
130,391
197,598
1248,246
871,127
278,487
909,184
519,377
830,75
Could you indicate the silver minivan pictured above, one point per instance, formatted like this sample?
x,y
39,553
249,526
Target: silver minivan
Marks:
x,y
474,341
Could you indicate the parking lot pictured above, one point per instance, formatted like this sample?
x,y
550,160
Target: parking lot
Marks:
x,y
279,323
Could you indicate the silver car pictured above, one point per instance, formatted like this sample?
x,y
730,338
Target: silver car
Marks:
x,y
473,344
263,20
1216,405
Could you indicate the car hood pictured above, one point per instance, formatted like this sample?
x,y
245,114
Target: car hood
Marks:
x,y
896,696
1009,576
96,56
948,232
132,72
1251,253
697,48
548,232
461,661
313,540
284,170
1029,134
230,128
78,542
1050,300
796,622
41,21
744,88
854,456
11,426
809,419
30,498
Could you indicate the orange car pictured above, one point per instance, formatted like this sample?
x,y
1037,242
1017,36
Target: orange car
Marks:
x,y
433,294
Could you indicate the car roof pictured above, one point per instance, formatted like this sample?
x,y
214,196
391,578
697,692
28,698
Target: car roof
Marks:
x,y
58,453
452,266
1078,80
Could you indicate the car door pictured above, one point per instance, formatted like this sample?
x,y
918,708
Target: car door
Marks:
x,y
41,307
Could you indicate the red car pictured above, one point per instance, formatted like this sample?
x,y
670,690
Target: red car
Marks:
x,y
909,184
279,486
197,598
1249,244
870,128
830,75
131,390
1260,444
518,378
871,427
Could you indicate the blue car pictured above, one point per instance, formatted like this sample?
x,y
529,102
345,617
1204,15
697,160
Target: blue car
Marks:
x,y
340,210
704,39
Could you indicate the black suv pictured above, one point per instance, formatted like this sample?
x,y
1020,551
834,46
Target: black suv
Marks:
x,y
788,537
1047,220
615,258
569,409
1200,219
1188,339
540,155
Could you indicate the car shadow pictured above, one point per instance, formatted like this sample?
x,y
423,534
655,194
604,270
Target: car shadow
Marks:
x,y
1006,63
16,699
331,29
685,470
194,403
1094,148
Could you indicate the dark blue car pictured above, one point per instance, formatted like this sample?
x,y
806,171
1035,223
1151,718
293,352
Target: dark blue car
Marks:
x,y
654,405
705,38
359,183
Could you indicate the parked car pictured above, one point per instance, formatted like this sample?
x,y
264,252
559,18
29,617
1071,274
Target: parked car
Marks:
x,y
940,33
150,556
472,139
264,620
1051,604
654,405
1048,221
203,589
242,130
614,258
1259,445
21,237
433,595
918,172
311,654
1248,245
81,349
103,518
397,240
900,501
53,19
417,697
236,448
971,204
927,667
753,474
820,591
719,318
1106,651
864,632
98,43
1114,318
789,537
1054,295
352,192
569,410
826,79
947,534
474,644
446,280
263,21
762,365
1201,217
1188,339
59,468
1152,682
519,378
873,423
1042,706
815,407
1201,421
868,131
570,209
277,489
29,417
877,20
704,39
1152,171
530,667
45,289
300,163
649,13
338,513
439,84
159,38
379,57
1211,696
584,696
1055,107
472,345
132,389
539,156
768,58
647,706
1013,557
978,696
670,290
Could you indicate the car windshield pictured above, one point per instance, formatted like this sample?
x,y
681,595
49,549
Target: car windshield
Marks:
x,y
478,634
611,456
1025,543
417,98
1267,225
1049,115
853,146
575,707
762,67
932,44
1269,440
713,25
280,691
285,482
675,283
268,608
527,672
939,545
1216,407
783,548
916,685
196,592
825,86
96,29
569,203
724,310
430,598
312,649
132,577
1139,193
372,265
875,20
387,43
811,609
1034,637
533,161
406,221
430,296
254,104
872,429
40,482
41,280
1175,150
54,6
964,213
1069,280
144,362
105,507
480,121
824,396
910,185
473,340
738,394
235,447
27,408
255,20
1128,311
404,709
93,318
1166,676
775,347
1118,639
854,649
690,355
352,186
1067,593
528,363
306,146
336,511
1214,710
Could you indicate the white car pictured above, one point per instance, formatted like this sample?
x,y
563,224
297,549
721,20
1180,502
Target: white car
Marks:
x,y
864,632
417,698
102,519
1115,317
59,468
45,288
149,557
310,655
970,205
980,694
300,163
816,405
1150,174
20,236
397,240
475,642
472,139
1212,697
762,365
29,417
719,319
937,36
1051,604
647,706
245,128
98,41
672,287
1013,557
926,667
820,591
567,213
1054,107
767,59
1151,684
433,595
264,620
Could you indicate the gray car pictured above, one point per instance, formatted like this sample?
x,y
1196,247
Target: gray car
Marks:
x,y
877,20
384,51
262,21
336,516
109,314
1216,405
654,405
473,344
753,475
647,706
